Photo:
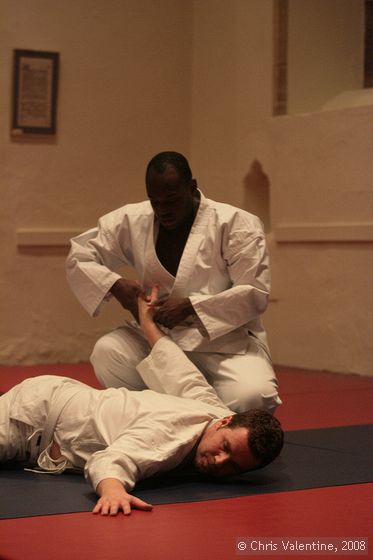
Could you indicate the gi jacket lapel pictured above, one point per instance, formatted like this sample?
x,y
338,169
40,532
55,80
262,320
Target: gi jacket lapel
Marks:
x,y
192,249
154,271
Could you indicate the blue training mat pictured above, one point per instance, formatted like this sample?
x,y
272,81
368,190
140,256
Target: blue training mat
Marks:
x,y
310,459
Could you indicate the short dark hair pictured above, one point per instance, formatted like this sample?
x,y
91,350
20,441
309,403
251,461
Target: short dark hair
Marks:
x,y
160,161
266,437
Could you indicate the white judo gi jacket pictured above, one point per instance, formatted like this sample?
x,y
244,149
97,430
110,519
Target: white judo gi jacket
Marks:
x,y
224,270
116,433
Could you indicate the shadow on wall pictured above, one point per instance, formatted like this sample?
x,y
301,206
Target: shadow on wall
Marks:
x,y
257,194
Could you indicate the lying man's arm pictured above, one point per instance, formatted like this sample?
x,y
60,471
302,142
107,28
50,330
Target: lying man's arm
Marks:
x,y
146,310
113,472
167,369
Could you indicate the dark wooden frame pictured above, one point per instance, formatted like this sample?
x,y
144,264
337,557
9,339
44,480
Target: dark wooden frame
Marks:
x,y
48,123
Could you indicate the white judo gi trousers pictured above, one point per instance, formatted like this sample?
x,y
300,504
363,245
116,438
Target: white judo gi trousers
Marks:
x,y
242,381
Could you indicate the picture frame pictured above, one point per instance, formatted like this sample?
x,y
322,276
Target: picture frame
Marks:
x,y
35,84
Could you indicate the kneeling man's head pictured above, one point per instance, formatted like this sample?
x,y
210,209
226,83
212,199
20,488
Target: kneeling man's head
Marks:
x,y
239,443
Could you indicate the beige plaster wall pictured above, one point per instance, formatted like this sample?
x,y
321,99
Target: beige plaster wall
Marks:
x,y
123,96
231,89
321,242
308,177
325,51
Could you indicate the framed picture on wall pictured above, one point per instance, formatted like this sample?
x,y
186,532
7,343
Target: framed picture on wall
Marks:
x,y
35,82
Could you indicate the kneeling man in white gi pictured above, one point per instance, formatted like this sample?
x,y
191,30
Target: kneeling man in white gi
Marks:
x,y
119,437
211,263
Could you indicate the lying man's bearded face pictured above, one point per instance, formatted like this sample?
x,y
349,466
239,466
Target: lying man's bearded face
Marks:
x,y
223,451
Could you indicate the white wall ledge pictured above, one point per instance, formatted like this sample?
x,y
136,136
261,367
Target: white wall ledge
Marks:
x,y
48,237
283,233
324,232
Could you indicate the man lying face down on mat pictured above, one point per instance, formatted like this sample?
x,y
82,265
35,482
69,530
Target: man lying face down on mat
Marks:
x,y
119,436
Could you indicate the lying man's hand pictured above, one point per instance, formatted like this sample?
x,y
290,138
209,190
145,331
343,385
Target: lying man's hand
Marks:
x,y
114,498
146,305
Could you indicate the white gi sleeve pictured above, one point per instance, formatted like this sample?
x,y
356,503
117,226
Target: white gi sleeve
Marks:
x,y
91,264
144,450
116,461
168,370
247,262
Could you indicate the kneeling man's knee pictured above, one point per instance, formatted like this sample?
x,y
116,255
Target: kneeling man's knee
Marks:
x,y
100,353
263,398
